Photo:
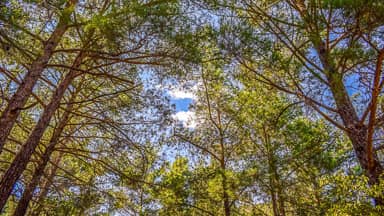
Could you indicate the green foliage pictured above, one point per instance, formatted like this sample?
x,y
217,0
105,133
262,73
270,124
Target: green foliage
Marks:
x,y
173,191
349,195
266,73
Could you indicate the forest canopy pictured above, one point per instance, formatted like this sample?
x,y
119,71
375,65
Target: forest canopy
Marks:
x,y
191,107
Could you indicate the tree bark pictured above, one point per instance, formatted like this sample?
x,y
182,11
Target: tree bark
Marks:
x,y
372,169
274,202
22,206
45,186
274,179
356,131
21,160
226,203
19,99
280,198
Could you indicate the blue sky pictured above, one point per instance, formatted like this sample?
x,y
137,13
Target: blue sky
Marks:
x,y
180,95
181,104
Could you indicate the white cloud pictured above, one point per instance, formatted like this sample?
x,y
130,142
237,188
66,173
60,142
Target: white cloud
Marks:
x,y
179,91
188,118
181,94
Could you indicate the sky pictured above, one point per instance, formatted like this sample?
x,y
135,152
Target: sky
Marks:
x,y
181,104
182,98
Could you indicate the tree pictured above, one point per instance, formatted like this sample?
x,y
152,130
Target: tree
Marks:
x,y
19,99
287,96
319,51
28,192
113,53
290,153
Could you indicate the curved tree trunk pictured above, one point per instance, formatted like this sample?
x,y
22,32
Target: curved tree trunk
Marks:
x,y
19,99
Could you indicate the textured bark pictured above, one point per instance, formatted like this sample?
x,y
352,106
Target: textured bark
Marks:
x,y
19,99
22,206
45,186
356,131
21,160
372,167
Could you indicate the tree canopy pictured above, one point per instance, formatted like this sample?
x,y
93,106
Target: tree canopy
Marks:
x,y
184,107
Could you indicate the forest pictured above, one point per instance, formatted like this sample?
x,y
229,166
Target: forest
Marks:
x,y
191,107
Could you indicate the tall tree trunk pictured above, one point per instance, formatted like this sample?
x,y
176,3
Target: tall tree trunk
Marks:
x,y
278,186
272,178
280,198
22,206
275,190
373,170
46,185
21,160
356,131
19,99
274,199
226,203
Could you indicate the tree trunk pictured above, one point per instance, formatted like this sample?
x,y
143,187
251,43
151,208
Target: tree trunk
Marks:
x,y
45,186
226,203
373,171
22,206
356,131
280,198
273,182
275,190
22,158
274,202
19,99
